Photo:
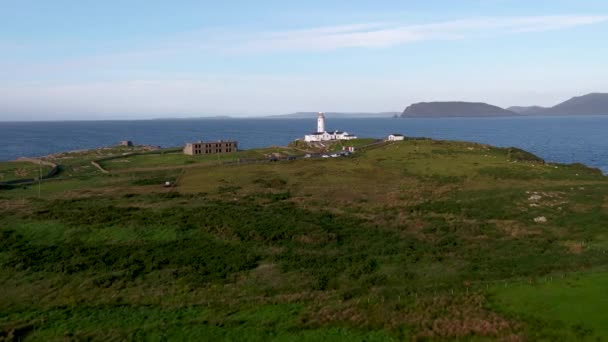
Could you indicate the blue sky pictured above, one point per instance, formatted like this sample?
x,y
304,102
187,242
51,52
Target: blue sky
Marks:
x,y
144,59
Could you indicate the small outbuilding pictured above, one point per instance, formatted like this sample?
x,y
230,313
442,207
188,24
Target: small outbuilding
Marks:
x,y
126,143
395,137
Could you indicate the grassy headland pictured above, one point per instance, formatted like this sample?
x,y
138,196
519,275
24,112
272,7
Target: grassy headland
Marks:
x,y
415,239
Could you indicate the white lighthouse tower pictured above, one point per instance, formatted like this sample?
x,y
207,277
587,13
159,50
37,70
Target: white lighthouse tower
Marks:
x,y
321,123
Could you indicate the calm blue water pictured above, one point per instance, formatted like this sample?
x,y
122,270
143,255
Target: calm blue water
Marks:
x,y
558,139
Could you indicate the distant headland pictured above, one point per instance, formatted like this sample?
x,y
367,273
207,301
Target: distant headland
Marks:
x,y
454,109
590,104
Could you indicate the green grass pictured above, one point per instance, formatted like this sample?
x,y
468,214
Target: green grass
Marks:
x,y
396,242
61,186
264,323
78,163
570,308
177,159
161,160
20,170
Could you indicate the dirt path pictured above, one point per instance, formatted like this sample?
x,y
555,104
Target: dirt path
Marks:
x,y
99,167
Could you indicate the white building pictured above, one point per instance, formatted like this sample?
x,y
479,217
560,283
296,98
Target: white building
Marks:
x,y
323,135
395,137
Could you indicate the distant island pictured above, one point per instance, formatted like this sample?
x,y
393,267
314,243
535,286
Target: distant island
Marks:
x,y
333,115
590,104
454,109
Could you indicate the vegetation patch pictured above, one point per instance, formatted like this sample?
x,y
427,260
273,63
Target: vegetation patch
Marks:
x,y
519,155
558,307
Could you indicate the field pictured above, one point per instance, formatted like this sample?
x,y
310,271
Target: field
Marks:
x,y
416,240
18,170
169,160
569,307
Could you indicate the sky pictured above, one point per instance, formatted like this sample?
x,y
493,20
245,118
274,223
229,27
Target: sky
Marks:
x,y
85,59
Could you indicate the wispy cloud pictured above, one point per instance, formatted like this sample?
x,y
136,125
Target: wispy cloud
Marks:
x,y
214,42
380,35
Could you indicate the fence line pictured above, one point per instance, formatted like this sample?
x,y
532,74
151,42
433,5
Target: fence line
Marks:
x,y
55,168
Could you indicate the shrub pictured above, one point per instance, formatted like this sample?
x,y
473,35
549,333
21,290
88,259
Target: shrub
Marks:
x,y
271,183
516,154
203,258
228,189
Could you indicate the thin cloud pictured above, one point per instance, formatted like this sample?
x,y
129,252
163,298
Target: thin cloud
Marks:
x,y
389,35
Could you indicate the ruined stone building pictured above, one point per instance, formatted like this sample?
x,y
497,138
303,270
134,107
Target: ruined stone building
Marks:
x,y
212,147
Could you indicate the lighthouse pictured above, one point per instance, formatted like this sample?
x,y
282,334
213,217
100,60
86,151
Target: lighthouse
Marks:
x,y
322,135
321,123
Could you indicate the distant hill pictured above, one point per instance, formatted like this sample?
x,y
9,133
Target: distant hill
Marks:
x,y
595,103
454,109
531,110
217,117
590,104
333,115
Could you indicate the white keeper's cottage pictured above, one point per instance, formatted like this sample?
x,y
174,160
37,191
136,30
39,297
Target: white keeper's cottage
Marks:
x,y
395,137
322,135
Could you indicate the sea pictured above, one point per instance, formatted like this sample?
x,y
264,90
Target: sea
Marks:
x,y
572,139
